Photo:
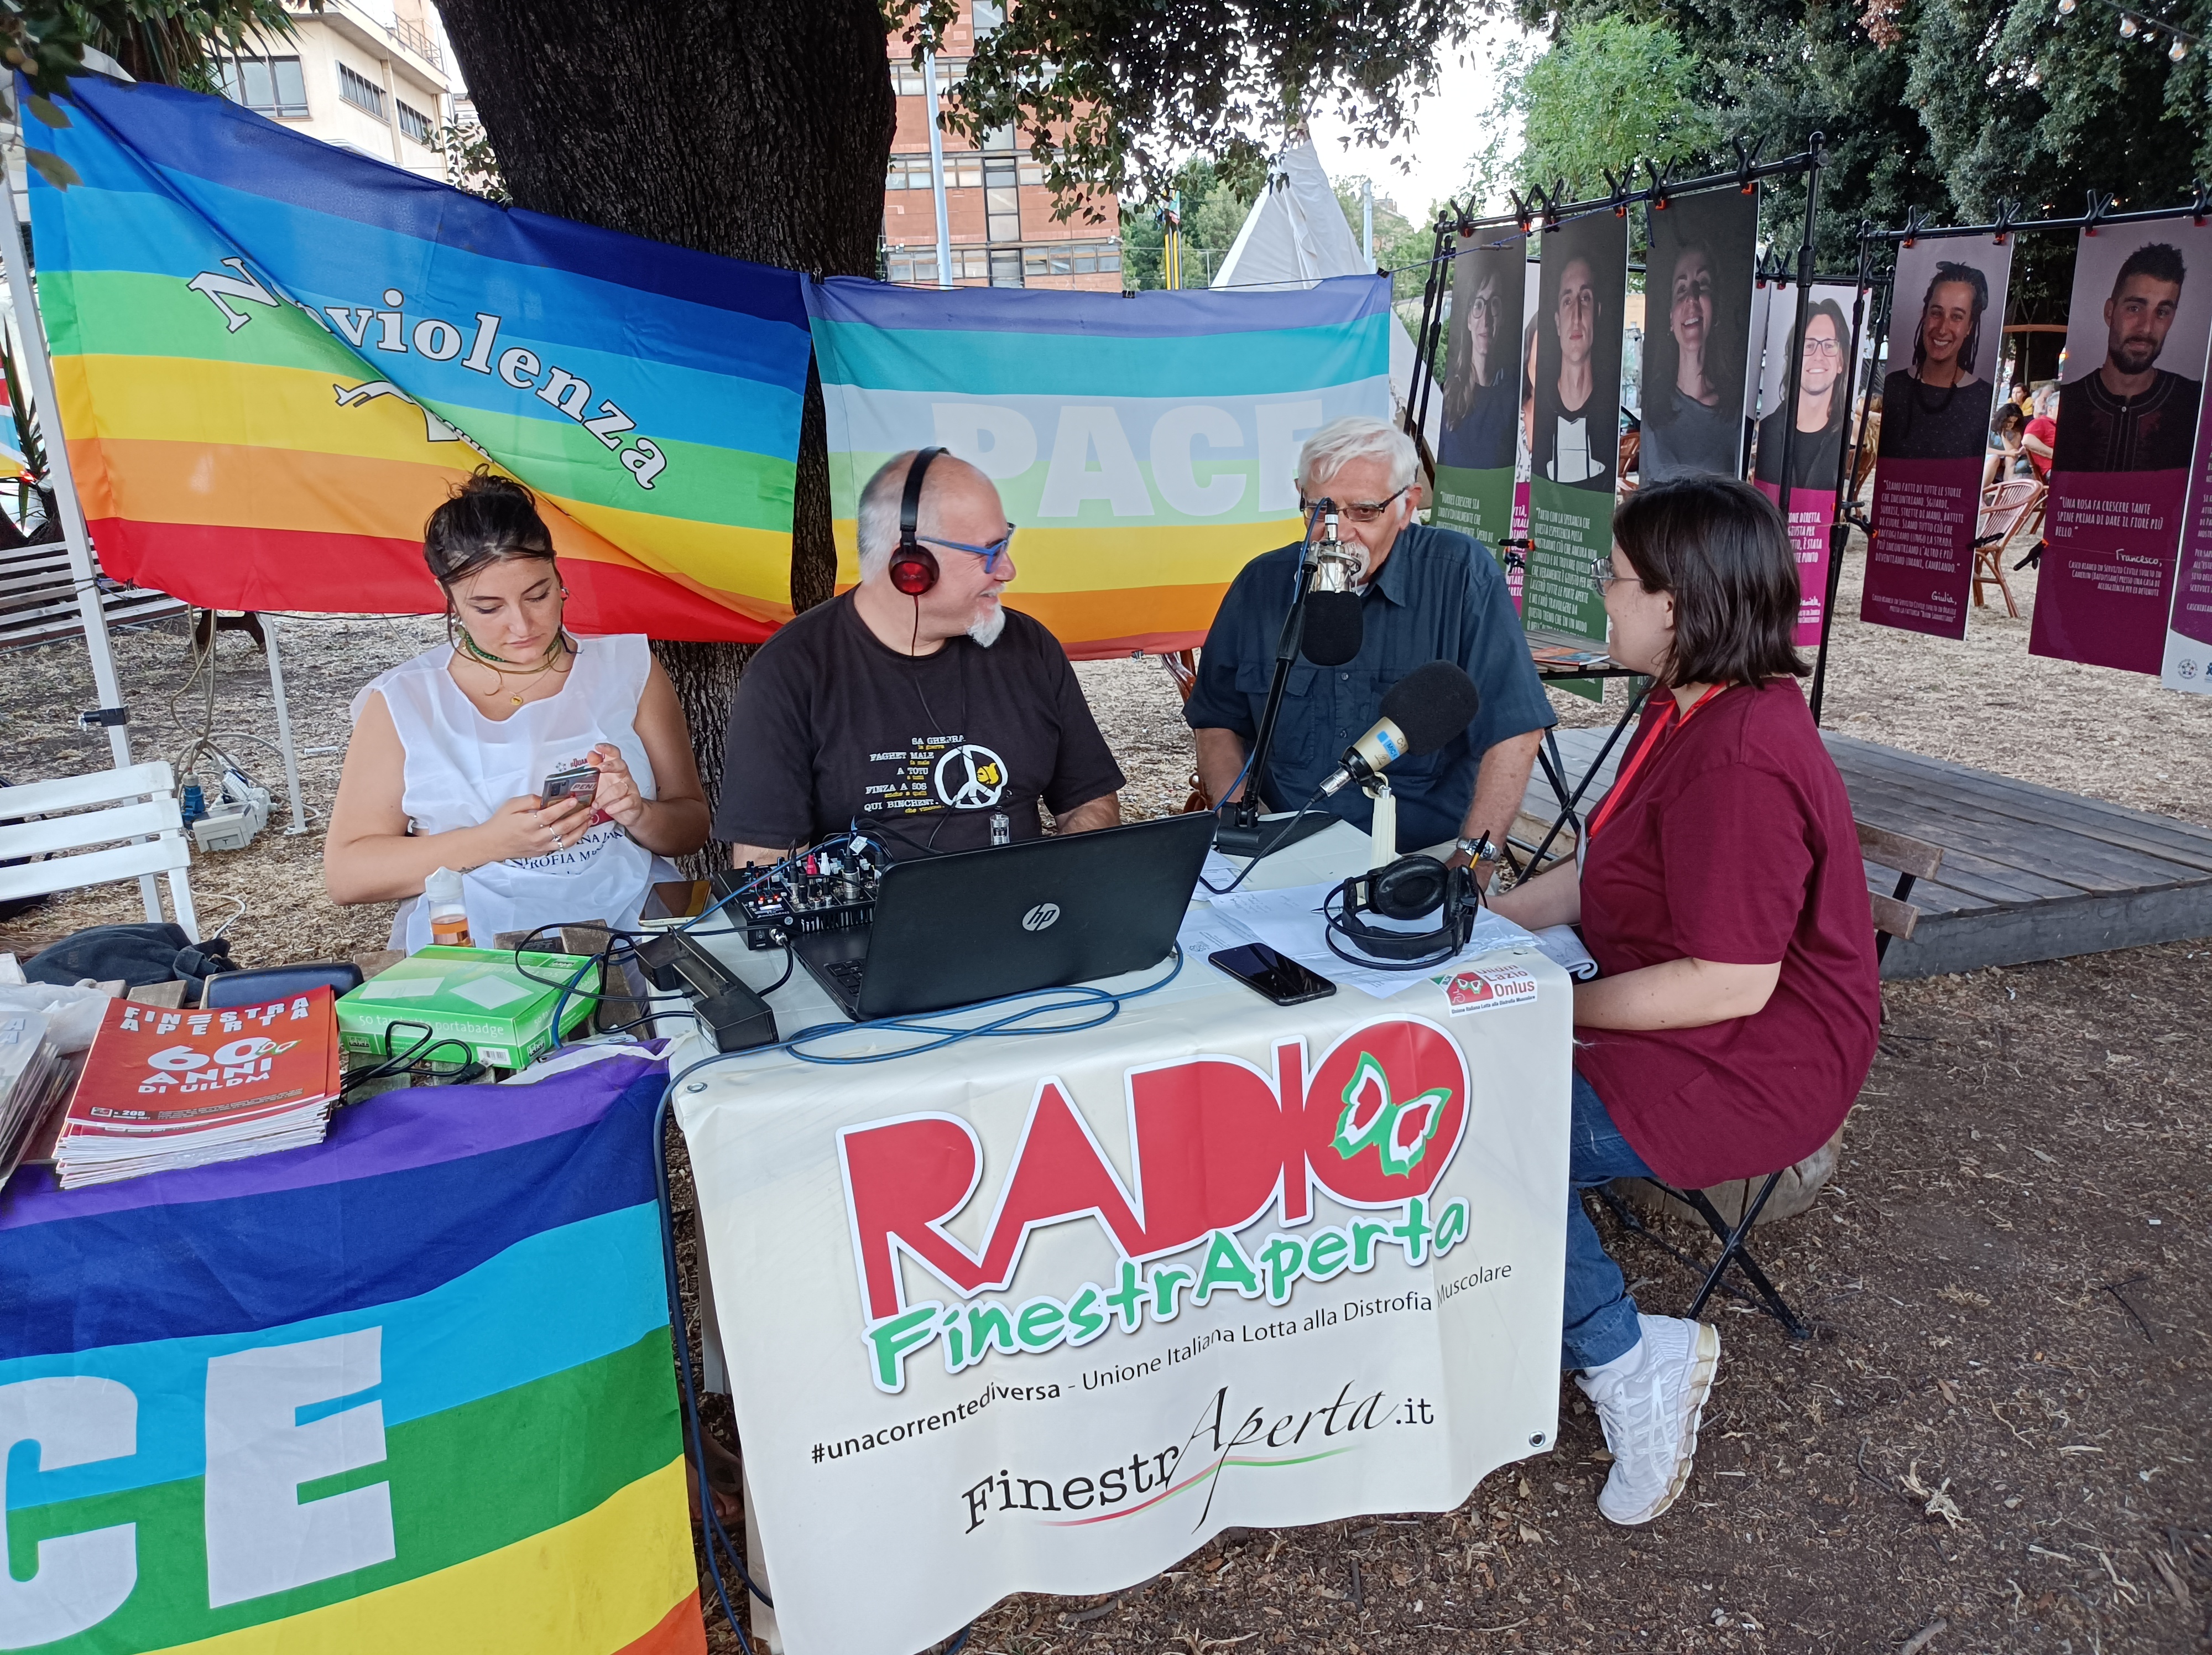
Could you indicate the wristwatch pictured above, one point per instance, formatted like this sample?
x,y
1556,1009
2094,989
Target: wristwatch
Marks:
x,y
1479,848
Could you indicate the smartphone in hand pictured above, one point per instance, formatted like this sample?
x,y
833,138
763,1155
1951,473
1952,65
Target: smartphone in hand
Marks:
x,y
579,784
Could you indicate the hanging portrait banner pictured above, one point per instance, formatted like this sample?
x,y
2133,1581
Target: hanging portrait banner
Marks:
x,y
2136,338
1574,442
2188,660
1482,379
1816,451
1944,336
1697,341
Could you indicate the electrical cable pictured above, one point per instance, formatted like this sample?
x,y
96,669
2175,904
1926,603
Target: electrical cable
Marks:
x,y
1266,850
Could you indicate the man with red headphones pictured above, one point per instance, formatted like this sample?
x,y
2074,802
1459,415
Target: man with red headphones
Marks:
x,y
915,704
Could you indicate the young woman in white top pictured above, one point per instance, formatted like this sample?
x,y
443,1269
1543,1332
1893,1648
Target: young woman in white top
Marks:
x,y
449,750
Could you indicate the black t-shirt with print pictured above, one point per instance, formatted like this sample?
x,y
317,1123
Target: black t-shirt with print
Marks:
x,y
828,725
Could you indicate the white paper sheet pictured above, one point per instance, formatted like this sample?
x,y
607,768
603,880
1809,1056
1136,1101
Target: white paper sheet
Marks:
x,y
1564,950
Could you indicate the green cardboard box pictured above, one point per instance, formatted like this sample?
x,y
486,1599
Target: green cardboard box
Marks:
x,y
473,996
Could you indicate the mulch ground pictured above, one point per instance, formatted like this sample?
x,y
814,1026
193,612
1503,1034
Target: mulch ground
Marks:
x,y
1999,1439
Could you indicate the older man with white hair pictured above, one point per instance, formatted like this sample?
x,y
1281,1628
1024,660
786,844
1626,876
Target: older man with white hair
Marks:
x,y
915,704
1426,594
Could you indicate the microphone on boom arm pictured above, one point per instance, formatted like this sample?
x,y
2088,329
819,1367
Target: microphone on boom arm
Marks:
x,y
1421,712
1333,629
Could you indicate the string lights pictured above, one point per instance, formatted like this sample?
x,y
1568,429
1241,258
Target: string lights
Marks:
x,y
2136,25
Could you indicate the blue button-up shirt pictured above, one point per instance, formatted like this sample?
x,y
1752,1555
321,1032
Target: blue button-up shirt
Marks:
x,y
1439,597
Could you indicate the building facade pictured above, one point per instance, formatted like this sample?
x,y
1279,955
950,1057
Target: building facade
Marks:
x,y
363,75
998,211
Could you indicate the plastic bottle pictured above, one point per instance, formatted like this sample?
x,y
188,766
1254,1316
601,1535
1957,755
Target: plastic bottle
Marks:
x,y
449,917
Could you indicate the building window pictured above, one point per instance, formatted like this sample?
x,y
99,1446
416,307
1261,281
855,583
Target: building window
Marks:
x,y
1002,201
964,169
1072,259
413,122
905,76
1005,267
919,264
271,85
360,92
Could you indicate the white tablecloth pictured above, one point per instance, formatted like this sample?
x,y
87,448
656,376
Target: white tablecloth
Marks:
x,y
1044,1314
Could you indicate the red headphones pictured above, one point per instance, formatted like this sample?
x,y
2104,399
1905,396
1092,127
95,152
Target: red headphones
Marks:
x,y
913,566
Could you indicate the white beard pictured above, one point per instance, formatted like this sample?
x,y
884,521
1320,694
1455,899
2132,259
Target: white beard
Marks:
x,y
986,632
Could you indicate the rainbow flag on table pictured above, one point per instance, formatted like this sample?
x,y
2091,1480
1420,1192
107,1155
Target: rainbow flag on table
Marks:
x,y
1146,446
408,1391
275,355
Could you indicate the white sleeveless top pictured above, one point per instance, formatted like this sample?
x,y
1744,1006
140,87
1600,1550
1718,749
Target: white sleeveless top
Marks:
x,y
462,766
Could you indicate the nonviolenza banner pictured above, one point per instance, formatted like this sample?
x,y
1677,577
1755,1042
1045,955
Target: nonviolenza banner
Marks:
x,y
2137,335
1944,344
1145,446
410,1389
275,356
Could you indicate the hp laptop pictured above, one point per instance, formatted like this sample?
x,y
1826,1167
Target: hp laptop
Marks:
x,y
979,924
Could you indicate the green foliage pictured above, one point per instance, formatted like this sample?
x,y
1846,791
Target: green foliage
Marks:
x,y
1111,93
470,161
1610,93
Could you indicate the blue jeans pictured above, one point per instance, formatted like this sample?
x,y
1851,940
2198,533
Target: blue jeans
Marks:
x,y
1601,1318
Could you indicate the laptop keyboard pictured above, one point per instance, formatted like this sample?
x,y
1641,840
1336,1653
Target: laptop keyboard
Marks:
x,y
847,972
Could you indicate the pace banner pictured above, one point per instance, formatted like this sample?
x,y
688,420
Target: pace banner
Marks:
x,y
410,1390
1481,413
1146,448
1945,326
275,357
1046,1314
2188,663
2135,339
1814,440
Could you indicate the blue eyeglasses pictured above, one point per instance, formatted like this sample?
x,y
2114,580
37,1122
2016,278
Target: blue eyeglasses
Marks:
x,y
992,554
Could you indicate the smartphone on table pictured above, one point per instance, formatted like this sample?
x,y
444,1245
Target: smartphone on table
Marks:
x,y
579,784
1275,976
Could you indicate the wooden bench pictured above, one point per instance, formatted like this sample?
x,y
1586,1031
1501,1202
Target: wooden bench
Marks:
x,y
90,830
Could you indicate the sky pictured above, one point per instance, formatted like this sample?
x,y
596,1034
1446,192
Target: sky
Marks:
x,y
1449,127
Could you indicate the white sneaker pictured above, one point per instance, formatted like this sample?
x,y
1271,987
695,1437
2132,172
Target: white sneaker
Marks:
x,y
1650,1401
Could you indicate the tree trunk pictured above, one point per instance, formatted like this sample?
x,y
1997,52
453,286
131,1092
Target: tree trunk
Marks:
x,y
758,132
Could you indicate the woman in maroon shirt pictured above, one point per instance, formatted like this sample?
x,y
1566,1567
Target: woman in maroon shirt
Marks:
x,y
1720,889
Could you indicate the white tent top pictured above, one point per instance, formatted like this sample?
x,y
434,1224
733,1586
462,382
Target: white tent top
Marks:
x,y
1295,235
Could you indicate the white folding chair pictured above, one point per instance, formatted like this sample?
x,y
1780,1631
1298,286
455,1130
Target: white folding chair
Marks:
x,y
96,828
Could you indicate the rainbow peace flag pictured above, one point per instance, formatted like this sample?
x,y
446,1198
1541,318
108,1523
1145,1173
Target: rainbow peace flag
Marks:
x,y
275,355
1146,446
408,1390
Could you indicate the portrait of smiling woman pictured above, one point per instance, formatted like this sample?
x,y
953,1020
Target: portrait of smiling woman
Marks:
x,y
1698,283
1937,406
451,749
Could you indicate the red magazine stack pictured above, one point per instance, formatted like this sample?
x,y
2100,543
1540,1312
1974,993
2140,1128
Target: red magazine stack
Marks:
x,y
164,1088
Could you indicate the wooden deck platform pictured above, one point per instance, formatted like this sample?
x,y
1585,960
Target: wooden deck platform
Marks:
x,y
2028,874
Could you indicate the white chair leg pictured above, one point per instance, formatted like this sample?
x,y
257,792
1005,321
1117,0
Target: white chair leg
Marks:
x,y
181,895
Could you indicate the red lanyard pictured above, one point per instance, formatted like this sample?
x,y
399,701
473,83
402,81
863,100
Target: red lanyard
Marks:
x,y
1666,725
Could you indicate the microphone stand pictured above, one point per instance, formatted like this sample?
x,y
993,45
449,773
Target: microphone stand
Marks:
x,y
1239,828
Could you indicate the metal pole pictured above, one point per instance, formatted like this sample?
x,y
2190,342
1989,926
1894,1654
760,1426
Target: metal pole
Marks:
x,y
24,302
299,823
1367,220
1839,533
1795,370
937,169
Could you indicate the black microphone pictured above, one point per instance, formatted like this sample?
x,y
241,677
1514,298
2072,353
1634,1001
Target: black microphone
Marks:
x,y
1421,712
1334,629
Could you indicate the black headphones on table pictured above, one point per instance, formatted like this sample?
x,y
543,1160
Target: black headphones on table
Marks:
x,y
913,568
1407,889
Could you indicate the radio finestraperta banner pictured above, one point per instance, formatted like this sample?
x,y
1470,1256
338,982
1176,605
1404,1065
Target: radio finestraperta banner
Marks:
x,y
1056,1310
275,356
1945,332
1146,447
2112,526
